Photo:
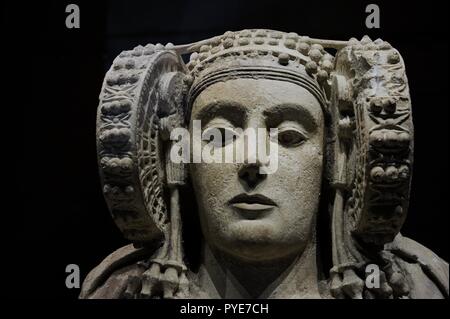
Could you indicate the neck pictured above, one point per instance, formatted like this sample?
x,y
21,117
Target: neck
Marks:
x,y
222,276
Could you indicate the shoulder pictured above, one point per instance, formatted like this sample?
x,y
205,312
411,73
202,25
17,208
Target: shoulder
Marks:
x,y
427,272
109,279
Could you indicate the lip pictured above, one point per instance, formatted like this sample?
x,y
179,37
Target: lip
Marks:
x,y
256,202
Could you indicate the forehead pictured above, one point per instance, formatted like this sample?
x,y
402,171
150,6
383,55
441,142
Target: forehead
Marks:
x,y
261,95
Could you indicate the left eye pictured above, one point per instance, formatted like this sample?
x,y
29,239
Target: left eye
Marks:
x,y
227,136
290,137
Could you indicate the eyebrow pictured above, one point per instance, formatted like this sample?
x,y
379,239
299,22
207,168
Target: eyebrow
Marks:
x,y
277,114
227,109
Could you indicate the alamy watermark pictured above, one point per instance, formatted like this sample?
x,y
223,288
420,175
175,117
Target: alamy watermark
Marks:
x,y
226,145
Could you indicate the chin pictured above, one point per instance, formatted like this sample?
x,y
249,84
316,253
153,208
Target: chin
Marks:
x,y
255,241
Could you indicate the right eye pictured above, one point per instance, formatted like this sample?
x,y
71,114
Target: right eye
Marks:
x,y
290,137
219,136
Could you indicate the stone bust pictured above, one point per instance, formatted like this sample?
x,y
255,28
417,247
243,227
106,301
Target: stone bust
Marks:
x,y
333,207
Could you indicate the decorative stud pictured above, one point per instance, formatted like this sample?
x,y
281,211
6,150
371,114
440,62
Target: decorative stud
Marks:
x,y
228,43
392,173
303,48
290,44
205,48
311,67
258,40
394,57
243,41
322,76
327,65
261,33
377,174
315,55
292,35
283,59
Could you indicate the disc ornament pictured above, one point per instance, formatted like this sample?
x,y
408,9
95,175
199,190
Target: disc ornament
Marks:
x,y
133,99
371,109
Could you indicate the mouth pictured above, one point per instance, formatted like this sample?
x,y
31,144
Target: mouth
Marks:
x,y
255,202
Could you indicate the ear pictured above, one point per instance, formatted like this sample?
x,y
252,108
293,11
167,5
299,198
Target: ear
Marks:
x,y
143,87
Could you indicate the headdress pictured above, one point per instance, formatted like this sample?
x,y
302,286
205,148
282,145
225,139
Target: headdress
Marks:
x,y
149,90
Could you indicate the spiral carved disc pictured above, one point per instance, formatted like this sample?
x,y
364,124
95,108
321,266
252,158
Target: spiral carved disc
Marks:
x,y
130,152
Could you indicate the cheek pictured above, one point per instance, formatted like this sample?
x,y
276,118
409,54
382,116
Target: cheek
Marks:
x,y
299,176
214,185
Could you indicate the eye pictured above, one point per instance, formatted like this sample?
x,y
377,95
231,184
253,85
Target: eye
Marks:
x,y
290,137
219,136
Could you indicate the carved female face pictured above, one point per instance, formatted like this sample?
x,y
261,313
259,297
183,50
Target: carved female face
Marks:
x,y
245,213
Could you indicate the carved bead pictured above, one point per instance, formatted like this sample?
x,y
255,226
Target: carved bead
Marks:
x,y
392,173
353,41
317,46
169,46
273,42
111,79
377,174
290,44
311,67
378,41
322,76
130,64
245,34
159,47
202,56
315,55
193,56
403,172
393,57
188,80
228,43
327,66
303,48
365,40
276,35
283,59
205,48
259,41
191,65
328,57
243,41
137,52
215,41
126,163
261,33
292,36
118,65
385,46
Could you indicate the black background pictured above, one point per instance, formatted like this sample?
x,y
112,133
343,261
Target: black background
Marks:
x,y
58,213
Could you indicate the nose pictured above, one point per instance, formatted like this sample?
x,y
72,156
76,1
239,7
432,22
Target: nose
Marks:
x,y
250,175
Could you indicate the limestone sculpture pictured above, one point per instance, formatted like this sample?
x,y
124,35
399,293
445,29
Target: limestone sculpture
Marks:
x,y
343,112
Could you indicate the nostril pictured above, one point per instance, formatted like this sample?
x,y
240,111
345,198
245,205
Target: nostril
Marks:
x,y
250,175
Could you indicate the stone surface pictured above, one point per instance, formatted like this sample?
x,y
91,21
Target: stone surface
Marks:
x,y
345,150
